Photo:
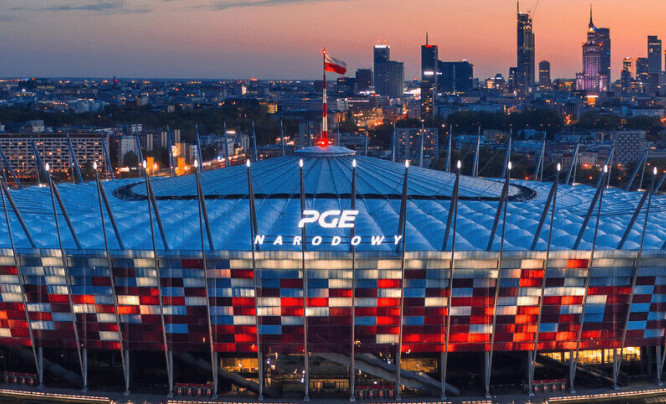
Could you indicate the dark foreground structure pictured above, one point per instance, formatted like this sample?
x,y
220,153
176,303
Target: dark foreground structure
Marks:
x,y
330,274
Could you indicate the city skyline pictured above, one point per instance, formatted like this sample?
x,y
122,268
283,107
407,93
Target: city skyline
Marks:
x,y
157,39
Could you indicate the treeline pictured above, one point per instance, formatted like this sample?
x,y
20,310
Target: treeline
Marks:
x,y
237,115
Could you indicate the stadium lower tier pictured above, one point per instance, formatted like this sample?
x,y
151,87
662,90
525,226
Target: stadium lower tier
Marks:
x,y
277,304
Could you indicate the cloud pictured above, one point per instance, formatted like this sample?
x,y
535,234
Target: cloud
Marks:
x,y
102,6
224,5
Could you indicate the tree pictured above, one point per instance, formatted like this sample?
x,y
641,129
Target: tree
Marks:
x,y
87,171
599,121
161,155
130,159
348,125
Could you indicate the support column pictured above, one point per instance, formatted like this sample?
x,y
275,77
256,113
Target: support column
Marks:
x,y
442,374
170,359
487,365
85,369
530,374
618,363
572,165
17,262
421,146
449,148
112,280
65,267
600,193
352,357
40,361
306,356
572,372
402,230
616,367
535,351
453,216
167,353
255,273
127,372
398,357
475,166
260,375
204,263
660,365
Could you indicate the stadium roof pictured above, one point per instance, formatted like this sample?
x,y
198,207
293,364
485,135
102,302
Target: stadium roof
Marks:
x,y
327,180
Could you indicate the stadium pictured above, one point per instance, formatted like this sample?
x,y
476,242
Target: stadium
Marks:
x,y
330,274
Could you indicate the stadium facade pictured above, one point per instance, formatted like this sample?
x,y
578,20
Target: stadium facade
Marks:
x,y
361,263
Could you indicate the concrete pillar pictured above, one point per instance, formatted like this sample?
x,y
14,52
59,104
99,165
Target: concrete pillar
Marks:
x,y
397,373
170,371
660,365
487,371
40,360
572,371
442,373
306,378
616,368
127,372
530,373
260,375
84,359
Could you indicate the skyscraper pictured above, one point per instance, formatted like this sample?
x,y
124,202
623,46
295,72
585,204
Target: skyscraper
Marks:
x,y
389,74
625,78
381,54
389,79
626,64
429,67
594,78
654,54
603,37
512,78
654,63
526,60
456,77
363,79
544,75
642,70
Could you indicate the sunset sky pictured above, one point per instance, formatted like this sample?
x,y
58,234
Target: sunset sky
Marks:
x,y
283,38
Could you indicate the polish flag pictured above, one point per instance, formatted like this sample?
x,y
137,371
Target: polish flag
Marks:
x,y
334,65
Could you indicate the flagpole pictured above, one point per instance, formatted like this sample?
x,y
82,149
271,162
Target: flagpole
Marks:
x,y
324,122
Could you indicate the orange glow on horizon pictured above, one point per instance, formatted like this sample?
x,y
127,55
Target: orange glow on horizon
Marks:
x,y
282,39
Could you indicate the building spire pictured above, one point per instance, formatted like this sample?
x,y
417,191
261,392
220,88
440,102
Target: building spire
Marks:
x,y
518,6
426,38
591,22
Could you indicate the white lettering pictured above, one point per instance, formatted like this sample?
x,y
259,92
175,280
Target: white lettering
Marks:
x,y
329,219
309,216
377,240
347,219
318,240
333,223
